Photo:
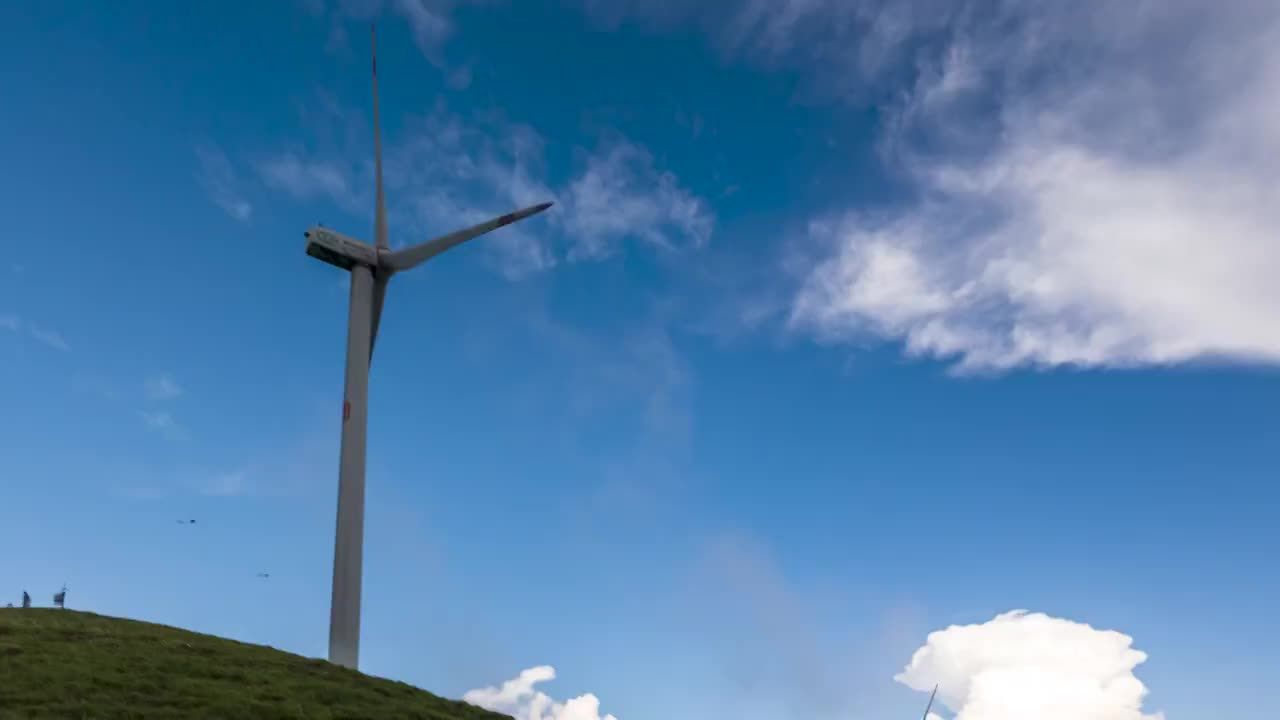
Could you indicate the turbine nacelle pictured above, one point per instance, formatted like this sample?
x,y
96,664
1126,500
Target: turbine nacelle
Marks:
x,y
347,252
338,249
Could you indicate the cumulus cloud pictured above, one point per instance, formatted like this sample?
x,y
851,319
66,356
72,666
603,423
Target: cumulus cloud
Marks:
x,y
1022,665
519,698
1099,187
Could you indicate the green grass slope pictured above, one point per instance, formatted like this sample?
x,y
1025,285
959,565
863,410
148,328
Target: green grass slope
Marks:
x,y
67,664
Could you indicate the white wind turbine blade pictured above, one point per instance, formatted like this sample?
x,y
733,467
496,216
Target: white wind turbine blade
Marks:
x,y
380,218
380,279
413,256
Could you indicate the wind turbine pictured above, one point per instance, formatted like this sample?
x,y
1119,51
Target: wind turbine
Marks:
x,y
371,268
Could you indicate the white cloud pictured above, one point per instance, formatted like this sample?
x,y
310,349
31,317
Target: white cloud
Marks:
x,y
49,337
450,176
218,178
305,179
158,419
1120,209
228,484
445,171
1022,665
519,253
10,321
518,697
850,50
429,21
619,194
162,387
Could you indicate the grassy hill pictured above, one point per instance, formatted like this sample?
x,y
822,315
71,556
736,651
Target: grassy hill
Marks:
x,y
67,664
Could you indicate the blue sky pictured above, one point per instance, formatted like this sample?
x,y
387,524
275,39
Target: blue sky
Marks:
x,y
852,321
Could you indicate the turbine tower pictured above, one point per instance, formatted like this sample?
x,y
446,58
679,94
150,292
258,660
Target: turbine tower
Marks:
x,y
371,268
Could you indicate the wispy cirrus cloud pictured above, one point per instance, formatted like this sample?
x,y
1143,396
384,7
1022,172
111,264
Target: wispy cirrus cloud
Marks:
x,y
162,387
159,390
451,173
158,420
221,182
287,470
430,21
446,171
13,322
227,484
164,423
50,337
305,179
859,51
149,401
619,194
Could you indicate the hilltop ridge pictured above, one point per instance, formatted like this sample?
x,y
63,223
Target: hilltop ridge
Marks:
x,y
70,664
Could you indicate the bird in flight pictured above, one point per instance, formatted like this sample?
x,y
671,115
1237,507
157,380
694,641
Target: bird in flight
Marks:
x,y
264,575
186,522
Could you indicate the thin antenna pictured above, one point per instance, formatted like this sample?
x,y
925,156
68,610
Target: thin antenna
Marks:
x,y
929,707
380,220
